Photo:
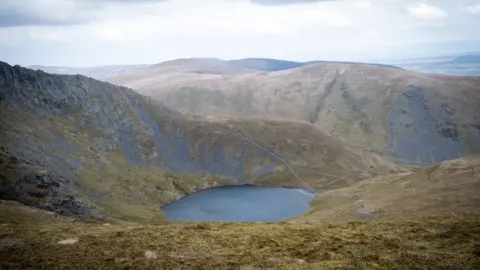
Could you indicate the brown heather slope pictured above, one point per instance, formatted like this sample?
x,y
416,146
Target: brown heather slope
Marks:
x,y
449,188
409,117
86,148
423,220
409,244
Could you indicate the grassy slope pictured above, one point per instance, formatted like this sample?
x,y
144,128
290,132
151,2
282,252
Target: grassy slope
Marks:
x,y
415,244
428,219
130,192
448,189
317,157
12,212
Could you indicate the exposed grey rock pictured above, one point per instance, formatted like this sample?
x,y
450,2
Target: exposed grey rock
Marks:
x,y
47,190
438,140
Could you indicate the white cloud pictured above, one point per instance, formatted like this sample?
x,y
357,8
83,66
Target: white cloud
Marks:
x,y
426,12
474,9
363,4
219,18
45,12
48,34
61,12
149,31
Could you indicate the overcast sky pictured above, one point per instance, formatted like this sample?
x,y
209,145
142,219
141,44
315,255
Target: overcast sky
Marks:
x,y
100,32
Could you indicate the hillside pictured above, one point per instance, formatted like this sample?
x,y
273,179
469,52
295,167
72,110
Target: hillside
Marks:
x,y
428,218
86,148
449,188
408,117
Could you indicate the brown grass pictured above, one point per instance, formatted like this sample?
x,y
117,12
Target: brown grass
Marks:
x,y
428,219
133,193
421,244
448,189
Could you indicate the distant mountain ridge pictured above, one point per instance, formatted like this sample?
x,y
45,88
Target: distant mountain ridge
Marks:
x,y
190,65
465,59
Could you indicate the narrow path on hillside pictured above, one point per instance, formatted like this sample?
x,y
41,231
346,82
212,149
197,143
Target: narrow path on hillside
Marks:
x,y
335,180
264,148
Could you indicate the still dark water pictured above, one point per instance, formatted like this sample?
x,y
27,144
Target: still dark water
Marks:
x,y
244,203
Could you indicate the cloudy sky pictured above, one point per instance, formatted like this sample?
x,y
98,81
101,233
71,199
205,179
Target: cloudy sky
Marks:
x,y
101,32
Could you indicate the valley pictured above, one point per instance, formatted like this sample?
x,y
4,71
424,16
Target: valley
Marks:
x,y
240,135
389,159
103,149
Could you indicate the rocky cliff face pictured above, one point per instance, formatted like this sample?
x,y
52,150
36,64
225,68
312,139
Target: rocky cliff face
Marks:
x,y
88,148
408,117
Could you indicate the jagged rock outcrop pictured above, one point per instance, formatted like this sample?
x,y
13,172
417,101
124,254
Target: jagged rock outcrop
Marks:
x,y
411,118
85,147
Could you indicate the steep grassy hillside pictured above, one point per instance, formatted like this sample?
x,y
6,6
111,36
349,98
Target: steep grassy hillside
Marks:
x,y
82,147
313,157
409,117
